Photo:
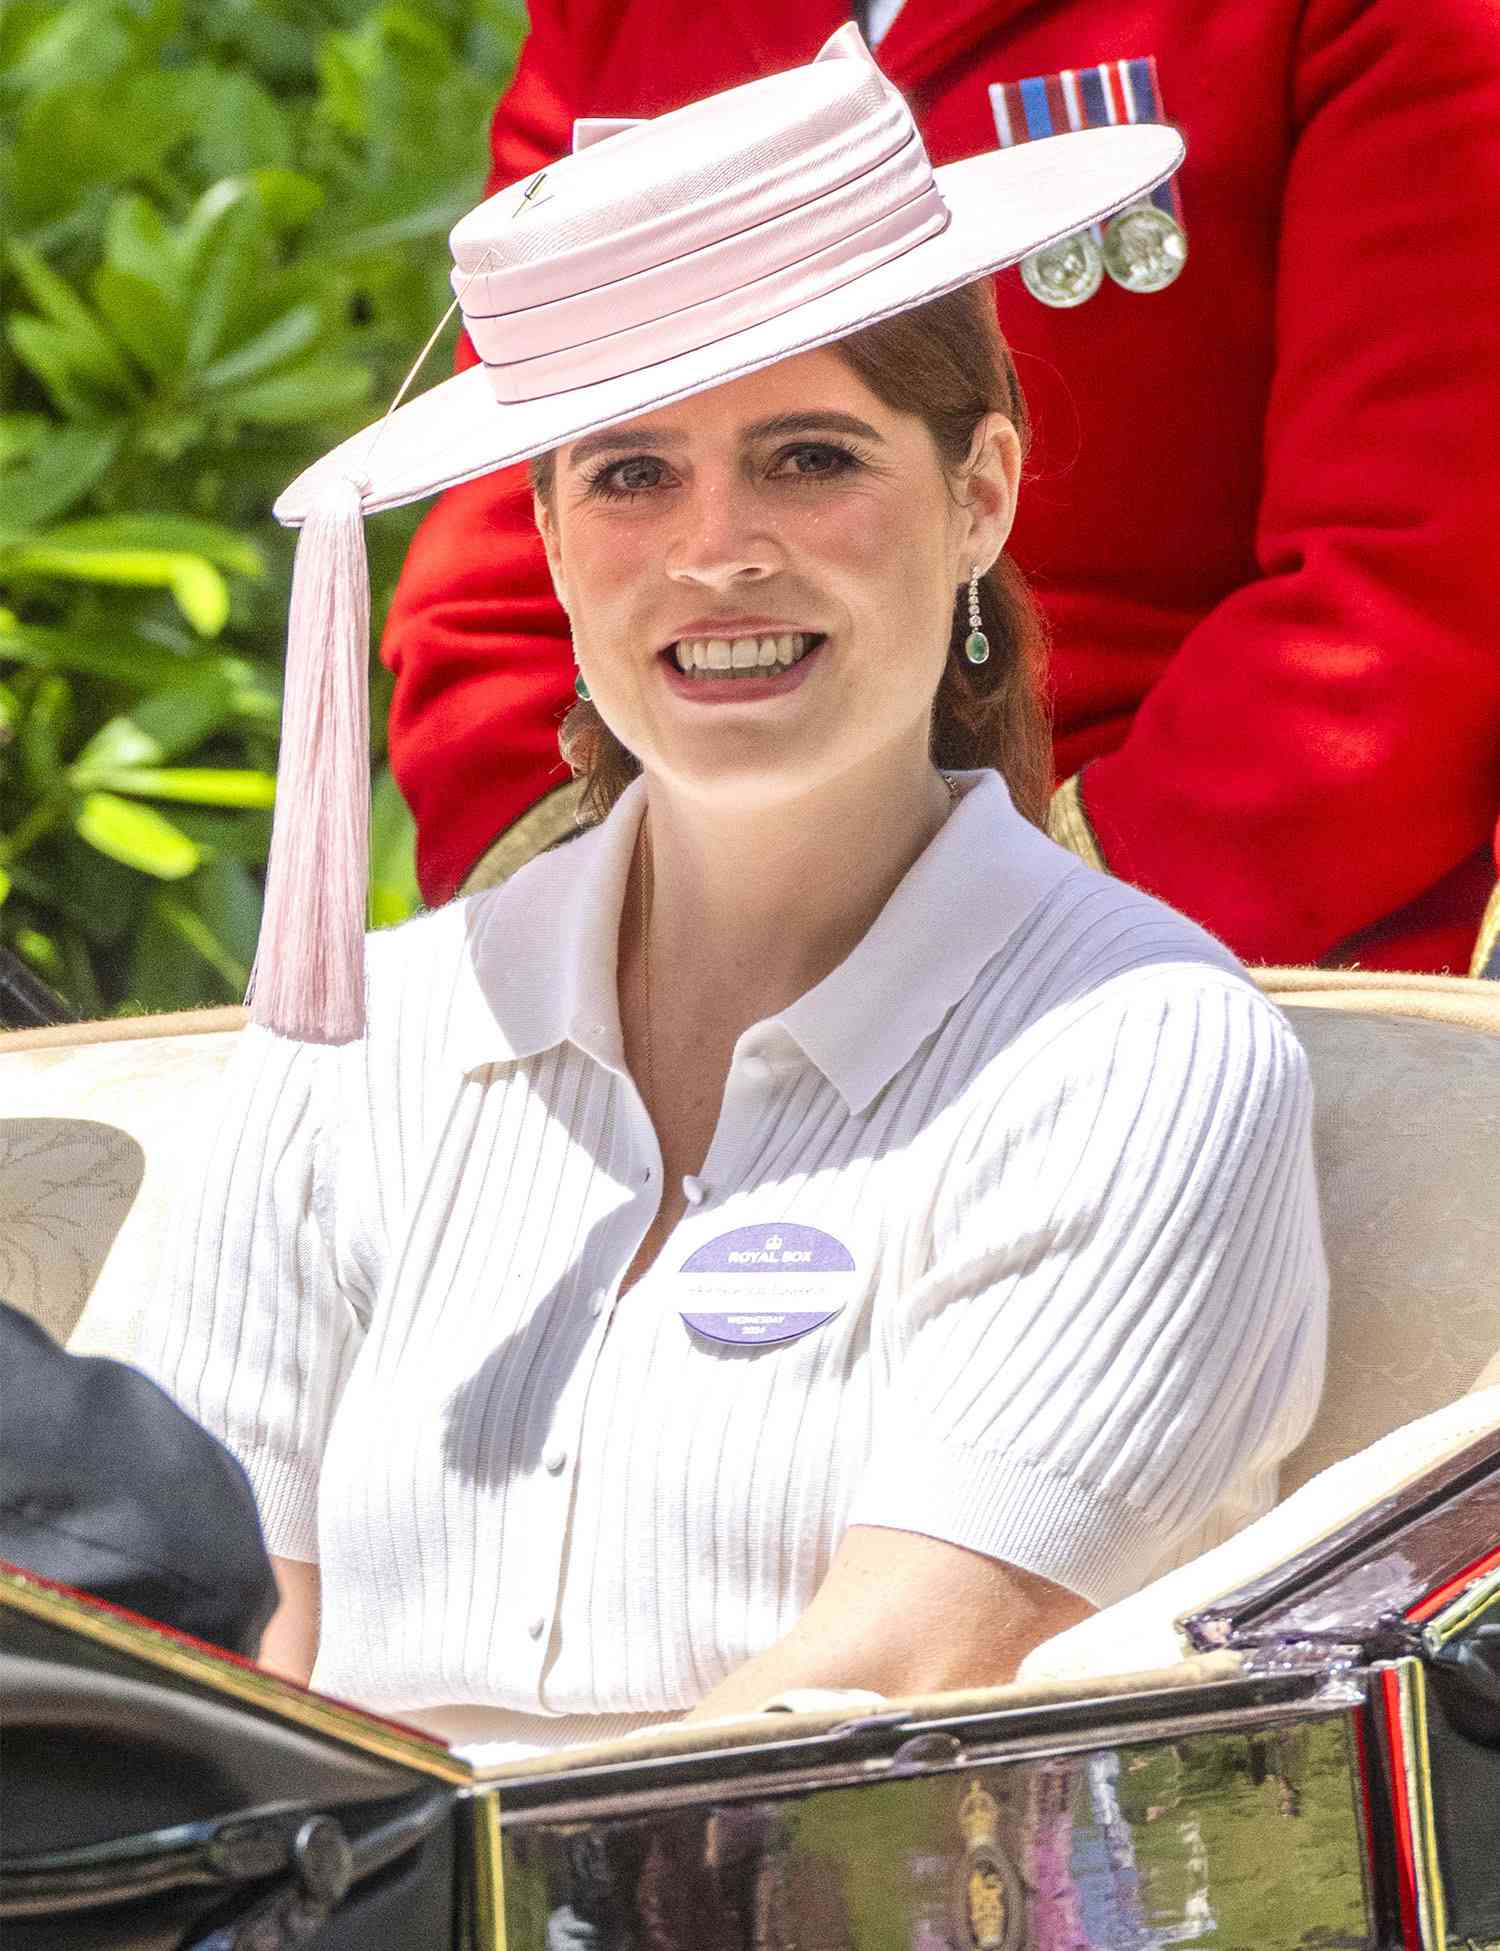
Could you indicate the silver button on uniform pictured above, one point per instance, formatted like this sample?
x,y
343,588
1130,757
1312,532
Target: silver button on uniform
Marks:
x,y
555,1458
694,1190
536,1626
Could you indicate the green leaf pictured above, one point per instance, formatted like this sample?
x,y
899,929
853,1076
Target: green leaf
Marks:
x,y
222,247
316,388
288,198
200,937
198,588
42,952
282,340
227,899
60,472
394,895
147,322
44,732
139,245
122,659
91,348
5,886
239,126
217,544
197,785
162,726
137,836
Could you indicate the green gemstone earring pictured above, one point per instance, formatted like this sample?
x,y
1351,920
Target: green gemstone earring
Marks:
x,y
976,644
581,686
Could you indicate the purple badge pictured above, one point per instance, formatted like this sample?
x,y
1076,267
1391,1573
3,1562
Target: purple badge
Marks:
x,y
765,1283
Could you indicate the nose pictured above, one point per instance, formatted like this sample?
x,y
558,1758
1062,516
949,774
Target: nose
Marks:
x,y
723,538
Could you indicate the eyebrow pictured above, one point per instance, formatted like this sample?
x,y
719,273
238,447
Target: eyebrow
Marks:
x,y
631,440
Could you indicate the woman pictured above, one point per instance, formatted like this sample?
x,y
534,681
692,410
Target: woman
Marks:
x,y
811,1231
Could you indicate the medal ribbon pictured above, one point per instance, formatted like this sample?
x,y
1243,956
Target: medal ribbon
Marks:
x,y
1084,98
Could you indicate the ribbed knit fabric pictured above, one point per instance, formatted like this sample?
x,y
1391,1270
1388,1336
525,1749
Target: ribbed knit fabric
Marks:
x,y
1063,1140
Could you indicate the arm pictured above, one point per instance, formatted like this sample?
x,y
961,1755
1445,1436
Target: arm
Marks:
x,y
1325,745
290,1644
254,1333
475,640
903,1614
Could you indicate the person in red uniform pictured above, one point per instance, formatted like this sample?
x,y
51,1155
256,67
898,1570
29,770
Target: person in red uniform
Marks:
x,y
1263,501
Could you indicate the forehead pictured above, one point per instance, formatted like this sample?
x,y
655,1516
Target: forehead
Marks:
x,y
808,384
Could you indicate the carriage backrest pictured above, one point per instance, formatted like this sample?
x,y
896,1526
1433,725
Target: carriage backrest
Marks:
x,y
100,1125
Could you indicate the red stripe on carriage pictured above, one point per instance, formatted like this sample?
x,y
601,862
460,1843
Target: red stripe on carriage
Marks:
x,y
1439,1600
1401,1809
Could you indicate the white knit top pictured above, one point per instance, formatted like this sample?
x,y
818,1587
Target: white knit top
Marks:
x,y
1048,1146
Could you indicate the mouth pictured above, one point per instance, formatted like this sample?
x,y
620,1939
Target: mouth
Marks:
x,y
715,659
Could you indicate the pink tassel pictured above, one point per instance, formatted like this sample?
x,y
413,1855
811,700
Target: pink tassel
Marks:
x,y
309,975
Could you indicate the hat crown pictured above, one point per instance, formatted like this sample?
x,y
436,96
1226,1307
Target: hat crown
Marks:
x,y
716,166
674,232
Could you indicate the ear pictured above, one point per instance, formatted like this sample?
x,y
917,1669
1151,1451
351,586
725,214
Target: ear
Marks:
x,y
545,518
992,479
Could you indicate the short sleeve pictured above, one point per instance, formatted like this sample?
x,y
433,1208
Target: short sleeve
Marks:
x,y
1124,1313
253,1333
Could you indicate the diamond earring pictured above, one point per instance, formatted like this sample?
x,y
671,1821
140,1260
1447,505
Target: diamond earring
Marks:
x,y
976,644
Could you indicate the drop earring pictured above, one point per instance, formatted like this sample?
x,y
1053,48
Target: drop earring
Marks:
x,y
581,686
976,644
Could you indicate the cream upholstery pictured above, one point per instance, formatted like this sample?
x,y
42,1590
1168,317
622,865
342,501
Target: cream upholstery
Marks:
x,y
100,1124
1409,1172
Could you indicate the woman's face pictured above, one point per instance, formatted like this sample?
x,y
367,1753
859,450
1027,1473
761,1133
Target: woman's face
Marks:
x,y
790,518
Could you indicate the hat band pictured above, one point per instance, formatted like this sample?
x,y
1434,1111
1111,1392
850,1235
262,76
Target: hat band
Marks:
x,y
693,270
680,327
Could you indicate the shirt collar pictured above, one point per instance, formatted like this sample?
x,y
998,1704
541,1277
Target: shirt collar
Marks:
x,y
543,948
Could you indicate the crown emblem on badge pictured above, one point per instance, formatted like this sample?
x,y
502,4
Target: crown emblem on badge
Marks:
x,y
774,1243
978,1816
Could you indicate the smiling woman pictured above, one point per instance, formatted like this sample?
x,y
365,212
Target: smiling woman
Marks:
x,y
811,1231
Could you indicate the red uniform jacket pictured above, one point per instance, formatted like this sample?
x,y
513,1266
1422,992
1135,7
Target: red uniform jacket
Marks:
x,y
1263,505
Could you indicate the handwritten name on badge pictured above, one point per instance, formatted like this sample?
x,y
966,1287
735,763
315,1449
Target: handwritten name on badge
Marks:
x,y
763,1284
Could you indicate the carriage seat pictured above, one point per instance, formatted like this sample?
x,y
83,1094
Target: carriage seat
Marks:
x,y
101,1123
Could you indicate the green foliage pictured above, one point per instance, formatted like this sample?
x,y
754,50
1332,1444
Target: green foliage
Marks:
x,y
224,244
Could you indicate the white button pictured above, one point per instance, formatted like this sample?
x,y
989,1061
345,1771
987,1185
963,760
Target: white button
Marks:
x,y
536,1626
555,1458
596,1306
758,1069
694,1190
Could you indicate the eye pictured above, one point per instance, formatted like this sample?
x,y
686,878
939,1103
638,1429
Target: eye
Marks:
x,y
623,480
820,460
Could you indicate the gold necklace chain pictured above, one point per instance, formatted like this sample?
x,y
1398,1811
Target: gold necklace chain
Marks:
x,y
646,878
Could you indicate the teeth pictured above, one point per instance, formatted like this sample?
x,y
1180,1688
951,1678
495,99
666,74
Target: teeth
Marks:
x,y
718,655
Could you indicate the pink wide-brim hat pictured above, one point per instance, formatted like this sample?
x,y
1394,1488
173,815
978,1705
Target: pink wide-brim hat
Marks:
x,y
665,257
661,259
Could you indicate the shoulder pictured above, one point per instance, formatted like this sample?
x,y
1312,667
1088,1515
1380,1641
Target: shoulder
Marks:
x,y
1105,981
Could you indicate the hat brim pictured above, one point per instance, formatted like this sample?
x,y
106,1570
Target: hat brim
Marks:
x,y
1003,205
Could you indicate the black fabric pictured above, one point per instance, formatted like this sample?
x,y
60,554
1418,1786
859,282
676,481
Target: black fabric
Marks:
x,y
107,1486
861,12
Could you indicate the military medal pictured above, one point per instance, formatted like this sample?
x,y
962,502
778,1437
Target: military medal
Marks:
x,y
1145,248
1064,274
